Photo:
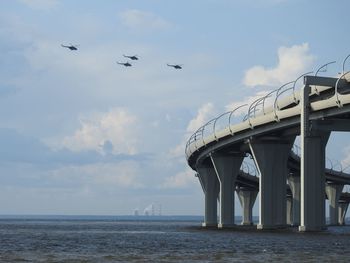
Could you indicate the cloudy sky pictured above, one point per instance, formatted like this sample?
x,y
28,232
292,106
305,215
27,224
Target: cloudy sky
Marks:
x,y
81,134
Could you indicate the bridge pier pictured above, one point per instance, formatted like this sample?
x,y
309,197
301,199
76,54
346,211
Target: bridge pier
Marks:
x,y
333,192
271,157
312,166
313,182
342,209
247,199
294,183
227,168
210,186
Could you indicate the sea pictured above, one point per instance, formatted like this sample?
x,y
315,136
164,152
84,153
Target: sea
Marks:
x,y
160,239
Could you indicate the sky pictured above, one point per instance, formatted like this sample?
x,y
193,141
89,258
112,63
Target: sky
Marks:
x,y
82,135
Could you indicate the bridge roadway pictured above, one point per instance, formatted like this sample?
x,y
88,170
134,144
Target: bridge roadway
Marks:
x,y
267,134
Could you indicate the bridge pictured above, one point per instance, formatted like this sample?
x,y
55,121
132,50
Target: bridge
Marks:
x,y
266,134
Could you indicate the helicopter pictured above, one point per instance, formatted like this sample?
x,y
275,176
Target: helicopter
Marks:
x,y
176,66
71,47
132,57
126,64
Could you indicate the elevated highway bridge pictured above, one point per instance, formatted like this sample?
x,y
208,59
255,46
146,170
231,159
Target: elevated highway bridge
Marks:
x,y
267,134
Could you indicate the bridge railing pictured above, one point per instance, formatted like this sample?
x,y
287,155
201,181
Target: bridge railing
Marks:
x,y
224,120
256,108
218,123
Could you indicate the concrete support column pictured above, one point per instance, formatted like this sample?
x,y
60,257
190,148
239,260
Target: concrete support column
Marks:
x,y
271,157
333,192
289,210
342,209
210,186
227,168
312,166
294,183
313,183
247,199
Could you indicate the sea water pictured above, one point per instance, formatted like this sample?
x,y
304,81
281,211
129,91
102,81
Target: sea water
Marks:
x,y
162,239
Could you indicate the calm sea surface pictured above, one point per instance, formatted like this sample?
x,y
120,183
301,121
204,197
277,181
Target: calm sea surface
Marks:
x,y
172,240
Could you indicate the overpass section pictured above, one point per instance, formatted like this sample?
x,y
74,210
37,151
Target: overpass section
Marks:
x,y
267,134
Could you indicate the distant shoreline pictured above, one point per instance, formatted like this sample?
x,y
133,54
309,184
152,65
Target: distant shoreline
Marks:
x,y
111,218
104,217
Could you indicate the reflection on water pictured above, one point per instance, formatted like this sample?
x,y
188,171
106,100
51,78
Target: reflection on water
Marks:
x,y
162,241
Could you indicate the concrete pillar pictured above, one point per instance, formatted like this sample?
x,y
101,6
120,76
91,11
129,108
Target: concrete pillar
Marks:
x,y
294,183
312,169
289,210
342,209
247,199
312,166
271,157
227,168
210,186
333,192
313,183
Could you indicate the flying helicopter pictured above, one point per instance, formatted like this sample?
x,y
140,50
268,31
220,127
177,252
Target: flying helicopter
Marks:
x,y
71,47
134,57
176,66
126,64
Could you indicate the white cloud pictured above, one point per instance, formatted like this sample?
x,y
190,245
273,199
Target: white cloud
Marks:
x,y
40,4
181,180
116,126
179,150
204,113
292,62
124,174
247,100
345,162
141,20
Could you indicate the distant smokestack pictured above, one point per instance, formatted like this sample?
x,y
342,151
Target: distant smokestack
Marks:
x,y
136,212
150,210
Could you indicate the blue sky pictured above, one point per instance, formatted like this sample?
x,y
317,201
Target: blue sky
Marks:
x,y
83,135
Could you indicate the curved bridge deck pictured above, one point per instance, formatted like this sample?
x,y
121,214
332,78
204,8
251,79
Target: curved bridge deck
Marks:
x,y
267,133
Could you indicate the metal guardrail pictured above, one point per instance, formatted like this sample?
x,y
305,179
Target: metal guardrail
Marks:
x,y
323,68
199,134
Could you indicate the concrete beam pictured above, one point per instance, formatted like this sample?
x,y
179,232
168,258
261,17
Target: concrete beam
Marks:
x,y
210,185
325,81
271,157
341,125
227,167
